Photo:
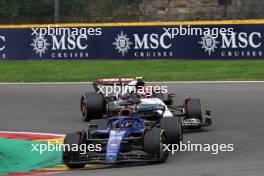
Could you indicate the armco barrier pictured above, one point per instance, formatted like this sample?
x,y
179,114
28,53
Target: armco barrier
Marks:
x,y
209,40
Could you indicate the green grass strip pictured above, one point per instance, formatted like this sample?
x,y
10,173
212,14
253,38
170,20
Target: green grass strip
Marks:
x,y
152,70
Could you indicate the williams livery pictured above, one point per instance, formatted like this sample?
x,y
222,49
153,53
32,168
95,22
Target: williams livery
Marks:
x,y
125,138
97,105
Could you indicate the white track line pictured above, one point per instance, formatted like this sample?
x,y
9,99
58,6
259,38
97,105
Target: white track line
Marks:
x,y
50,173
158,82
205,82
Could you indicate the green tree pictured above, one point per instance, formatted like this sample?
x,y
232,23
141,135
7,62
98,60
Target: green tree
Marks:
x,y
42,11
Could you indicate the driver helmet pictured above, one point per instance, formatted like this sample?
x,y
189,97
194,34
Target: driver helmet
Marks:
x,y
140,84
125,112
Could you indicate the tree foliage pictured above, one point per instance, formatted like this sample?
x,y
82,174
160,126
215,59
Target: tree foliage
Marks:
x,y
42,11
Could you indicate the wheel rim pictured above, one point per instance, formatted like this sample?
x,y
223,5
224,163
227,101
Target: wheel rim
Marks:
x,y
84,107
163,140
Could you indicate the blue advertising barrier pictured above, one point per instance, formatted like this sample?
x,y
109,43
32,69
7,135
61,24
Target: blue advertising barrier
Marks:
x,y
230,40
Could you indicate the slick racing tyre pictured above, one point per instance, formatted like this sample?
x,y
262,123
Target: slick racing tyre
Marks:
x,y
193,108
72,140
92,106
153,143
173,128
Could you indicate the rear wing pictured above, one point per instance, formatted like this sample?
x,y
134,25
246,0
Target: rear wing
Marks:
x,y
117,81
122,81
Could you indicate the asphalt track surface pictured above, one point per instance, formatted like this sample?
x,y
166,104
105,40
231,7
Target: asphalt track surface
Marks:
x,y
238,112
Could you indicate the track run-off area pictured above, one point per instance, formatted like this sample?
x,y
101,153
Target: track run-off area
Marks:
x,y
237,111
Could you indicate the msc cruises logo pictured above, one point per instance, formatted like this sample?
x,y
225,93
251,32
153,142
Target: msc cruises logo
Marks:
x,y
209,44
40,45
122,43
239,44
146,45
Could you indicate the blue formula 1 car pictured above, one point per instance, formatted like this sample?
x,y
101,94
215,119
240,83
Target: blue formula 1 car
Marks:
x,y
123,139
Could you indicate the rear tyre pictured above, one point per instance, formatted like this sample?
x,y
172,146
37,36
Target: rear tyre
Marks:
x,y
173,128
92,106
71,140
154,141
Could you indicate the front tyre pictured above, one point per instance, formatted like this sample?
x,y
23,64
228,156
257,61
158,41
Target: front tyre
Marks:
x,y
173,128
71,140
154,141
